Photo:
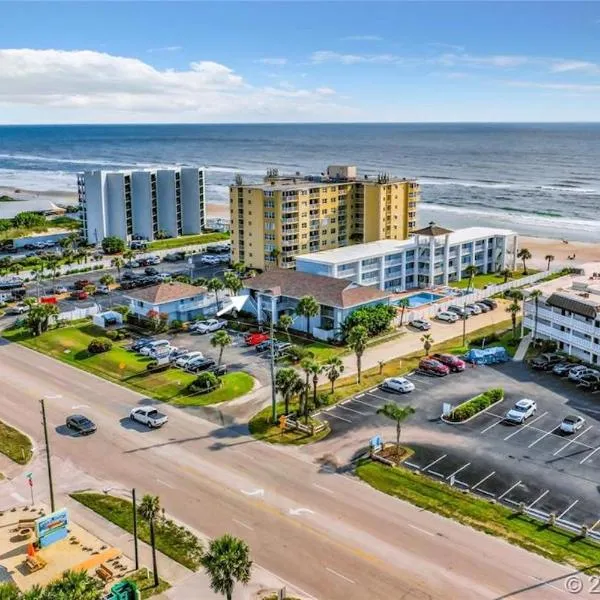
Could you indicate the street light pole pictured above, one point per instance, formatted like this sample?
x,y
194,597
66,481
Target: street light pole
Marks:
x,y
48,461
273,388
464,320
135,536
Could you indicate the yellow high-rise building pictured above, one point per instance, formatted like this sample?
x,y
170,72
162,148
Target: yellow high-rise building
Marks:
x,y
273,222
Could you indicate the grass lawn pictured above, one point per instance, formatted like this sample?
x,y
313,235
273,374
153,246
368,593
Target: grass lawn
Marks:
x,y
262,428
480,514
172,542
69,344
187,240
145,583
483,279
322,351
14,444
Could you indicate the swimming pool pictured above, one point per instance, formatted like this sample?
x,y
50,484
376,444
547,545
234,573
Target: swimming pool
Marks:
x,y
420,299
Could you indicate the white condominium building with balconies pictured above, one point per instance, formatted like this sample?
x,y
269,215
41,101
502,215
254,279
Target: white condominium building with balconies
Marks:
x,y
432,256
126,204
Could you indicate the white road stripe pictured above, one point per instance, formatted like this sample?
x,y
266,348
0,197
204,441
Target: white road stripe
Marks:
x,y
492,425
538,498
590,455
571,441
540,438
434,462
373,389
412,465
360,396
545,583
458,470
320,487
421,530
358,412
525,426
330,414
510,489
484,479
164,483
564,512
243,524
339,575
366,403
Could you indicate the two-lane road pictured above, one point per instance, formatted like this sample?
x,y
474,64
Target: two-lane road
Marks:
x,y
329,534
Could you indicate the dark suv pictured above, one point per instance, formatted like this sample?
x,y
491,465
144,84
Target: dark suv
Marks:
x,y
545,362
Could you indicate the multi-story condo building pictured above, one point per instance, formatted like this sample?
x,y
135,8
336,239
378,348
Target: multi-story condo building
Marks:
x,y
141,203
432,256
286,216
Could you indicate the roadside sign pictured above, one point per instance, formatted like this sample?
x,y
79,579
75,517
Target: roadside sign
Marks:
x,y
122,365
282,421
376,443
447,409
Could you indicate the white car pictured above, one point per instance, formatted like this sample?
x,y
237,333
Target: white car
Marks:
x,y
521,411
398,384
182,361
102,289
148,348
476,310
208,326
162,350
572,423
447,316
576,373
164,277
210,259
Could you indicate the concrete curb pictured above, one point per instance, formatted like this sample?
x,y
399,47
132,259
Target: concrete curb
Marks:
x,y
473,416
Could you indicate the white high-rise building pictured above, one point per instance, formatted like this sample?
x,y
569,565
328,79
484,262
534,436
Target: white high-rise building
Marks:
x,y
141,203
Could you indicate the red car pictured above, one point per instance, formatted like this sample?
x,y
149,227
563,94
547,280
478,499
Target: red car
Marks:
x,y
79,295
80,284
433,367
454,363
255,338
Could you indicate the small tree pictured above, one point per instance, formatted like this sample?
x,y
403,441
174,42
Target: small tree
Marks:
x,y
215,285
427,342
403,304
507,274
285,322
535,294
513,308
107,280
471,271
357,342
549,258
396,413
74,584
274,255
39,315
307,307
524,255
220,340
233,283
117,263
113,245
334,367
149,509
288,383
226,562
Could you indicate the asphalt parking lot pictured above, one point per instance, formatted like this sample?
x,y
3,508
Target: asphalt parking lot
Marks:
x,y
532,463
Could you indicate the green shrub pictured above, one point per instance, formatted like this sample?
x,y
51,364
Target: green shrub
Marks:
x,y
205,382
113,245
376,319
476,405
296,353
177,324
113,335
99,345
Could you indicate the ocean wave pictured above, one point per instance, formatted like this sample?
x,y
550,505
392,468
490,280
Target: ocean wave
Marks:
x,y
563,188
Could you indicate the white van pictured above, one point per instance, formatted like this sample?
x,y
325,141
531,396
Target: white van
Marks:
x,y
152,347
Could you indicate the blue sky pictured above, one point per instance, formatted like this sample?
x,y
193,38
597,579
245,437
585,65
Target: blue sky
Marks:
x,y
293,61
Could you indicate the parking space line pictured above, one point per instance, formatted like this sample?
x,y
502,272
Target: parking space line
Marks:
x,y
379,397
510,489
564,512
590,455
366,403
330,414
492,425
360,396
571,441
541,438
373,389
412,465
437,460
525,426
538,498
436,474
458,471
358,412
484,479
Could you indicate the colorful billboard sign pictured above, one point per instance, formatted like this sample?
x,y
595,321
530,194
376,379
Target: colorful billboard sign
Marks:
x,y
52,528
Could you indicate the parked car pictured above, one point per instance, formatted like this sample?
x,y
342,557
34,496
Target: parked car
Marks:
x,y
572,423
433,367
153,260
521,411
184,359
164,277
490,302
219,371
459,310
421,324
255,337
162,350
102,289
281,347
449,317
590,381
208,259
81,283
18,309
147,348
59,289
398,384
151,271
80,424
576,373
545,362
198,365
132,264
563,368
128,276
174,256
484,307
140,343
148,415
454,363
79,295
476,310
207,326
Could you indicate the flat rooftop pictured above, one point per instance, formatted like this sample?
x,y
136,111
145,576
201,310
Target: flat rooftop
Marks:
x,y
374,249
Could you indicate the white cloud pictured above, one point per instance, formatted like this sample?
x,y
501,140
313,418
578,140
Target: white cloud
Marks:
x,y
564,87
89,86
325,91
362,38
277,62
500,60
323,56
165,49
564,66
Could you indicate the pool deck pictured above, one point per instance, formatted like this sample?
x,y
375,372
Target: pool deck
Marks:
x,y
439,291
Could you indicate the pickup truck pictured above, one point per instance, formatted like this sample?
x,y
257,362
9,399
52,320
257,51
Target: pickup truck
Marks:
x,y
148,415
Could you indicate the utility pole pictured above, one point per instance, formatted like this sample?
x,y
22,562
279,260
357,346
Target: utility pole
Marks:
x,y
135,536
48,461
273,389
464,320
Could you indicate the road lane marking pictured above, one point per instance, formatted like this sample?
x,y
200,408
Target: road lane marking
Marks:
x,y
164,483
434,462
458,470
339,575
257,492
320,487
510,489
571,441
538,498
545,583
242,524
590,455
300,511
484,479
493,425
77,406
365,403
421,530
564,512
373,389
525,426
358,412
541,438
330,414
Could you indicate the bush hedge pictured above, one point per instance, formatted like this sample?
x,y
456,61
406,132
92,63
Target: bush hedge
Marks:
x,y
99,345
205,382
475,405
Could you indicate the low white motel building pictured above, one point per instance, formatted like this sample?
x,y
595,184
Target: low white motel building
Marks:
x,y
433,256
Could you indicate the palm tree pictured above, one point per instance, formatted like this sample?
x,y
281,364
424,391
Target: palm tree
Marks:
x,y
220,340
128,254
239,268
403,304
149,509
357,340
315,369
74,584
233,283
507,274
9,591
535,294
285,322
471,271
200,281
549,258
307,307
305,365
334,367
117,262
515,295
524,255
513,308
274,255
396,413
215,285
36,592
287,383
226,561
427,342
15,268
54,266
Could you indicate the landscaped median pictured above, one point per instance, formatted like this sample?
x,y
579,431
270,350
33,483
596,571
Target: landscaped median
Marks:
x,y
471,408
188,240
15,444
70,345
484,515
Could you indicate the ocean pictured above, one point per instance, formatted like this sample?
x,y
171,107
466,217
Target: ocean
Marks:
x,y
539,179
